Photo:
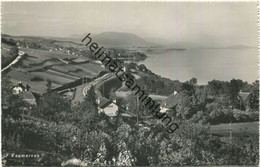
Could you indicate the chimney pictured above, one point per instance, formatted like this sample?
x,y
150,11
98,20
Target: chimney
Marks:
x,y
21,85
27,88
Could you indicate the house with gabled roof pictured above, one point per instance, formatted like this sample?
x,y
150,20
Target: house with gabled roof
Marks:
x,y
107,106
244,98
170,102
24,92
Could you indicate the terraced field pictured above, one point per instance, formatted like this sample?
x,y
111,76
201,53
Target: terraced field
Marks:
x,y
77,72
19,75
54,65
64,75
52,77
49,60
90,67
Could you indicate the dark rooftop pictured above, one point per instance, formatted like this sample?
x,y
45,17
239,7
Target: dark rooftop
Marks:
x,y
171,101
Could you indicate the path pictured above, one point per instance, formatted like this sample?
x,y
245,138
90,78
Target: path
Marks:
x,y
20,54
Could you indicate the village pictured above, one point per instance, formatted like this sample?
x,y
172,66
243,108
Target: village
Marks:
x,y
59,94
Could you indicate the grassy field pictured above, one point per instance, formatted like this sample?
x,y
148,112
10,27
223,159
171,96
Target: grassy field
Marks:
x,y
238,129
6,46
18,75
51,61
69,44
91,67
60,74
52,77
36,86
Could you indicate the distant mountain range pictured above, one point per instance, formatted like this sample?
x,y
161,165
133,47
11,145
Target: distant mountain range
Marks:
x,y
235,47
240,47
122,39
118,39
130,40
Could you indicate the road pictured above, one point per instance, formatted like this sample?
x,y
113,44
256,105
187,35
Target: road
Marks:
x,y
96,81
20,54
82,89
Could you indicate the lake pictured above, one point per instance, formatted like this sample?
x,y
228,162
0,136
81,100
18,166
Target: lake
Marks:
x,y
205,64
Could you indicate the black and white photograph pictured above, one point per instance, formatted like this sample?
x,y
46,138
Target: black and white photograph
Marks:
x,y
134,83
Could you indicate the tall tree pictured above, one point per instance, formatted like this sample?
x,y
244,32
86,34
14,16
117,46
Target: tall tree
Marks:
x,y
48,85
235,86
6,89
215,87
52,105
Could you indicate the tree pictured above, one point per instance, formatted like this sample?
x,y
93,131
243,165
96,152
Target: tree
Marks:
x,y
125,157
235,86
6,89
14,51
215,87
52,105
189,88
49,85
254,102
91,97
193,81
142,67
133,104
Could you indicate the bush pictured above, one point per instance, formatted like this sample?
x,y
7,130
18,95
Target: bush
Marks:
x,y
242,116
219,114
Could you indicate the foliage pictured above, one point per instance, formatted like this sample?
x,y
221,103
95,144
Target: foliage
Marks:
x,y
49,85
61,130
52,106
14,51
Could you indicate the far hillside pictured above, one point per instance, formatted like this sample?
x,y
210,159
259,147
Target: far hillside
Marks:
x,y
121,40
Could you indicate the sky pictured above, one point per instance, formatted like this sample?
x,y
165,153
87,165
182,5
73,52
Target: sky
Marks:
x,y
215,24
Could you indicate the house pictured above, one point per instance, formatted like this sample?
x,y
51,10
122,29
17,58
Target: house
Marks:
x,y
244,98
107,106
170,102
17,89
24,92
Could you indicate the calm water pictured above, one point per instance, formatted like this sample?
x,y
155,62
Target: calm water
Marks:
x,y
205,64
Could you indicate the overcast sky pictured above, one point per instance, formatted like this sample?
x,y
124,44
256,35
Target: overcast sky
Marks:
x,y
213,24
